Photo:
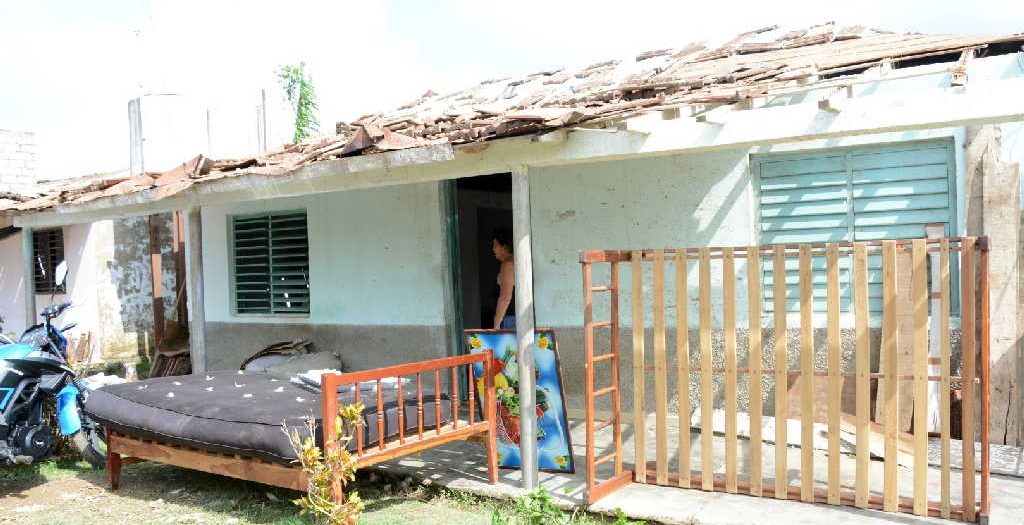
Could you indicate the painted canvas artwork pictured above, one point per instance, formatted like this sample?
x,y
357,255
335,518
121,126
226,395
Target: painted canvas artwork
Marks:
x,y
554,445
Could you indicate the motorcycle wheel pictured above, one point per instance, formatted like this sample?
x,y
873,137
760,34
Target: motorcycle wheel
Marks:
x,y
90,445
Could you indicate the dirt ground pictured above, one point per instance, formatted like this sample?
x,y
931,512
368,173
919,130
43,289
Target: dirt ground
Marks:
x,y
71,493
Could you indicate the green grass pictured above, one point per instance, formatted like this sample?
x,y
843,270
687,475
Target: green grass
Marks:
x,y
69,492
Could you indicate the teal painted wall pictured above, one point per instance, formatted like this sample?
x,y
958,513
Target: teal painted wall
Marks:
x,y
701,199
376,257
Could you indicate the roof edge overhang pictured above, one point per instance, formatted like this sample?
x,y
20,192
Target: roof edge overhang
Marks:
x,y
651,134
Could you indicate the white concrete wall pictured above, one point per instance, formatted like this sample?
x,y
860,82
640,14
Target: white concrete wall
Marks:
x,y
703,199
377,257
108,282
80,282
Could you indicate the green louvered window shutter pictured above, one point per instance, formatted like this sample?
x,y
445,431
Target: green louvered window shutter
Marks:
x,y
271,263
864,193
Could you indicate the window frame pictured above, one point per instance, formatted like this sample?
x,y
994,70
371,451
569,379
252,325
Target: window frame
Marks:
x,y
233,291
47,284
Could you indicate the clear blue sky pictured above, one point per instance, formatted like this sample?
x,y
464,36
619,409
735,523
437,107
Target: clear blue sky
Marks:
x,y
69,67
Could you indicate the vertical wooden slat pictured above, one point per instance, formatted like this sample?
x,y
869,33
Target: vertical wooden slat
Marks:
x,y
683,367
455,396
588,364
639,414
729,345
419,404
754,365
707,467
834,371
472,395
380,415
944,375
781,371
660,371
806,376
863,371
985,379
919,293
401,407
890,363
617,394
362,428
437,400
967,342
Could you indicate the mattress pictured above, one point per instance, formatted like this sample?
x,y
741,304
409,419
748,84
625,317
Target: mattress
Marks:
x,y
241,412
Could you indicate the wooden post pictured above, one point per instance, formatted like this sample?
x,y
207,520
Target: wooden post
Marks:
x,y
197,313
986,379
28,269
522,231
156,272
178,248
968,307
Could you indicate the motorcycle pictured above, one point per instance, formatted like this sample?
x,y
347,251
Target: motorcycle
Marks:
x,y
34,373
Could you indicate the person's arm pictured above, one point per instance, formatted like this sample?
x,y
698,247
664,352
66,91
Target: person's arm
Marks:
x,y
506,282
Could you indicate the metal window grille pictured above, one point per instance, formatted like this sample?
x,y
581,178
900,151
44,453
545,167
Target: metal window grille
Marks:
x,y
270,262
48,252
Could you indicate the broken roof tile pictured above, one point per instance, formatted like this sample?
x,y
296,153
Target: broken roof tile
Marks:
x,y
725,71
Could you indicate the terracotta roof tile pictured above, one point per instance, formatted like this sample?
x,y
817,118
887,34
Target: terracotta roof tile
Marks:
x,y
750,63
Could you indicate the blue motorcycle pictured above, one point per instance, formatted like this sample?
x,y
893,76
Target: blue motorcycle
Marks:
x,y
35,372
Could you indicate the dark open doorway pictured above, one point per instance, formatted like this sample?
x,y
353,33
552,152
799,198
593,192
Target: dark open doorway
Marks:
x,y
485,207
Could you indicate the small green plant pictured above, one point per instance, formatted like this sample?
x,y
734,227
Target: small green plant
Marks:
x,y
538,508
622,519
301,95
323,470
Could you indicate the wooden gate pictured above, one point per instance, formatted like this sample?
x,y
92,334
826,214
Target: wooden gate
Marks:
x,y
887,299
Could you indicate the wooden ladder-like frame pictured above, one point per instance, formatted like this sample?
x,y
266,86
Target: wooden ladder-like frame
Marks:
x,y
599,489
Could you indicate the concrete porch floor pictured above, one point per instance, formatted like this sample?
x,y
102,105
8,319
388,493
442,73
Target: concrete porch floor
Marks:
x,y
460,466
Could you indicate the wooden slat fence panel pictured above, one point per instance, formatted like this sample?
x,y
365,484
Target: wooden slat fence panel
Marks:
x,y
824,272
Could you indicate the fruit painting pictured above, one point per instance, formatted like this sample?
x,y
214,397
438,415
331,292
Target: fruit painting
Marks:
x,y
554,446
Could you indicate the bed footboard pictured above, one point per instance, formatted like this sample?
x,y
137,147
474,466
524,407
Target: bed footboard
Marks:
x,y
444,375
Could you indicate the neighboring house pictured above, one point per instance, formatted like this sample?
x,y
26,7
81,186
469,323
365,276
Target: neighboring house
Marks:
x,y
374,241
109,277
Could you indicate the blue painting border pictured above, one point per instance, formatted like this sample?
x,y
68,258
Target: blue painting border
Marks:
x,y
554,450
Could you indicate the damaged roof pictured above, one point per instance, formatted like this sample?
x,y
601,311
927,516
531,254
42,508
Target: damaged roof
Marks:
x,y
752,64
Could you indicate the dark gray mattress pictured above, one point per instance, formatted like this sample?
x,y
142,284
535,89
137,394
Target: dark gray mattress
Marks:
x,y
240,413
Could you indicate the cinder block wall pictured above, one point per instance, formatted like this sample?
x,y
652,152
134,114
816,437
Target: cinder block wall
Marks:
x,y
17,160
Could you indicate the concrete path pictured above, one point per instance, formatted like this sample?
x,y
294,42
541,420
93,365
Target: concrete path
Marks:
x,y
460,466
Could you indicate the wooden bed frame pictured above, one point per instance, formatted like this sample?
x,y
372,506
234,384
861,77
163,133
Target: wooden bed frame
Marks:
x,y
125,449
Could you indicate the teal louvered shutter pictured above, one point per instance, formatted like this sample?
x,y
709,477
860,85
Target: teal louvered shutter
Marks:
x,y
853,194
289,263
271,263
